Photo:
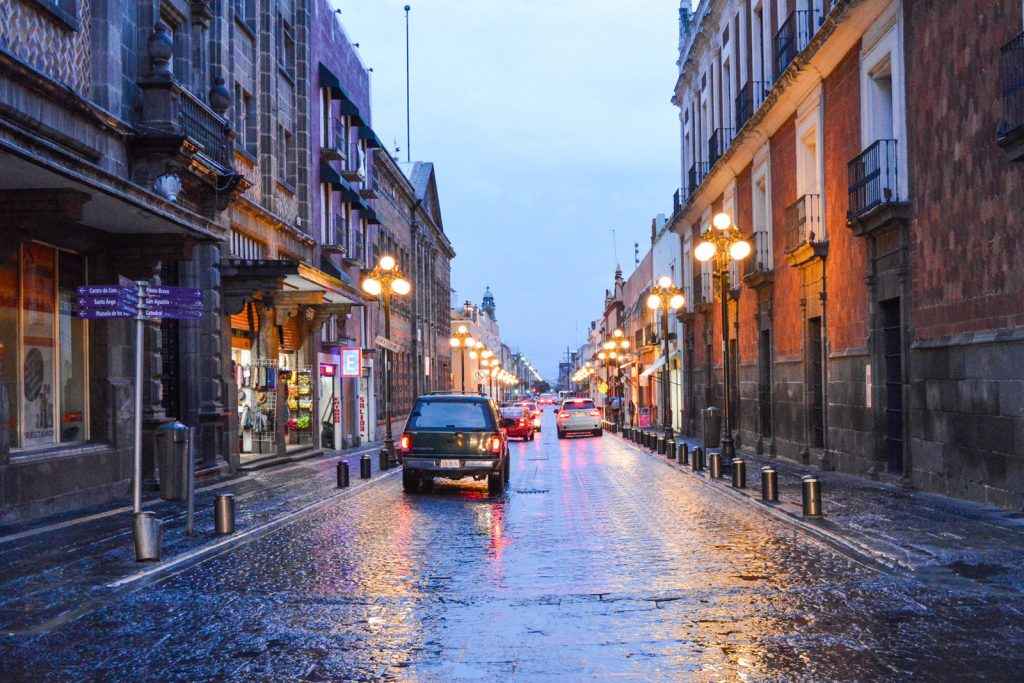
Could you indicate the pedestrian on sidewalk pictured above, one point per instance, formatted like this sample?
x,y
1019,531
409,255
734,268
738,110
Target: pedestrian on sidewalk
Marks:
x,y
632,413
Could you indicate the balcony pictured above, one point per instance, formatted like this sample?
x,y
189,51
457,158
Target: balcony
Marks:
x,y
875,199
335,149
703,294
368,189
757,268
793,36
750,98
677,201
805,237
717,144
336,240
1010,134
354,168
696,176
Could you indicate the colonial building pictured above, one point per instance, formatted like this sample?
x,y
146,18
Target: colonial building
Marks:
x,y
226,147
875,166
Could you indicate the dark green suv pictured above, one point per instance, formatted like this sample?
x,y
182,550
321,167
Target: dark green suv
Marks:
x,y
454,435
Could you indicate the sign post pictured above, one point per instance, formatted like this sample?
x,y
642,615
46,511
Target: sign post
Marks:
x,y
139,300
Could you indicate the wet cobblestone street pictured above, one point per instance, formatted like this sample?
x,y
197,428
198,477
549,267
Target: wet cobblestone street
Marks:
x,y
600,562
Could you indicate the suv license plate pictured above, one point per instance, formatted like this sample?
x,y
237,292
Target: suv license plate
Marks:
x,y
449,463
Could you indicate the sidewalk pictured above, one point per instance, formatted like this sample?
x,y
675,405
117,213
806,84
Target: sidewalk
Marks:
x,y
58,568
952,540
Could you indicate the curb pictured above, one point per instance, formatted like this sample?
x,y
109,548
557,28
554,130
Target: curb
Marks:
x,y
865,554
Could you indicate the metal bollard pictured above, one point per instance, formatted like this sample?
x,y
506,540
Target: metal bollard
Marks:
x,y
769,484
147,533
342,474
364,466
224,514
739,473
811,487
670,449
383,460
715,465
698,459
659,444
683,452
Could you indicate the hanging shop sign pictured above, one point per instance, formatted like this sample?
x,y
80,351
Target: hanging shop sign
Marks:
x,y
351,362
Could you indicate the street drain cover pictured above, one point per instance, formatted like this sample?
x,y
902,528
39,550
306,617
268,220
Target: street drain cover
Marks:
x,y
532,490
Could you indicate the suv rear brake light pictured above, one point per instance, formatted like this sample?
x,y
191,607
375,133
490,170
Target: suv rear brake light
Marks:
x,y
495,444
563,415
595,413
404,444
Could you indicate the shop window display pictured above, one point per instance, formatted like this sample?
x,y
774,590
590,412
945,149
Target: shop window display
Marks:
x,y
43,346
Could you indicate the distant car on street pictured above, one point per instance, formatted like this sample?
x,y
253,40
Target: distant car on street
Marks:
x,y
517,422
535,412
453,436
576,416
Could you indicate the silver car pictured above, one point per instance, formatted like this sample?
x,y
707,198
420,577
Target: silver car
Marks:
x,y
578,415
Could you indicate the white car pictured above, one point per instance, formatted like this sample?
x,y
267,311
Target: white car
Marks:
x,y
578,415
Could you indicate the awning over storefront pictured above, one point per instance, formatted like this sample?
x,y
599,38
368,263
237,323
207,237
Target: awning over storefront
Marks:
x,y
657,365
284,281
369,214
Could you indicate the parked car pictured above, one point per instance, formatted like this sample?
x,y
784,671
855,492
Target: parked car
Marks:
x,y
535,412
517,422
578,415
454,436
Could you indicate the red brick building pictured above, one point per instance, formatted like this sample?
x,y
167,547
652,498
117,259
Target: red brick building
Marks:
x,y
871,152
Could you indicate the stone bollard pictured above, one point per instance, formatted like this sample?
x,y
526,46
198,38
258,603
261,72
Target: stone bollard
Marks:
x,y
342,474
364,466
811,487
739,473
769,484
224,514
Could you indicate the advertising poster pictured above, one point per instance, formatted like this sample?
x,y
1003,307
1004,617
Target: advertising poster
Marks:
x,y
643,417
37,347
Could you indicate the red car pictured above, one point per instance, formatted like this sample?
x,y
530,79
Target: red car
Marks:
x,y
534,411
517,422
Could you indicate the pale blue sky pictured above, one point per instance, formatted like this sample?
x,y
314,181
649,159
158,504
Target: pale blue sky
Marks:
x,y
549,123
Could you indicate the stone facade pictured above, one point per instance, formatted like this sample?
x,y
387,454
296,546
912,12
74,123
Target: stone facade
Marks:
x,y
178,143
869,339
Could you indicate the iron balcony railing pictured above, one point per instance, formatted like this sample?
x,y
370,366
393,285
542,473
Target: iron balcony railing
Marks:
x,y
761,260
702,293
803,222
792,37
750,98
698,172
873,177
718,143
203,125
677,201
1011,76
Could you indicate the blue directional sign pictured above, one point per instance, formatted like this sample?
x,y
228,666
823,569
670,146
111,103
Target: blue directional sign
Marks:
x,y
179,295
175,313
105,313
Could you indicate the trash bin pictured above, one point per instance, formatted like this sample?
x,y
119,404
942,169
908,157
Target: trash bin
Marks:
x,y
171,446
712,420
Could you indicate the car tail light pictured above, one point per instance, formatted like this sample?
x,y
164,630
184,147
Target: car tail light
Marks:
x,y
564,415
522,422
595,413
495,444
404,443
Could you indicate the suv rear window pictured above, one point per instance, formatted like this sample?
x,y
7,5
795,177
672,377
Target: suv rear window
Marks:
x,y
583,404
448,415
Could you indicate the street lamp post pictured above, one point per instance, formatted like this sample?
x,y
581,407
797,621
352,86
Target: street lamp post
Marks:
x,y
383,281
663,297
612,348
462,340
723,243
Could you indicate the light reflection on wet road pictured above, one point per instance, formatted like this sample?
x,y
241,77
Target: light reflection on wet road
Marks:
x,y
600,563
